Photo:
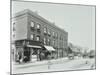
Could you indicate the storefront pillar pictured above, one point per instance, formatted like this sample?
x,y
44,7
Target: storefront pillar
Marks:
x,y
38,52
31,51
57,53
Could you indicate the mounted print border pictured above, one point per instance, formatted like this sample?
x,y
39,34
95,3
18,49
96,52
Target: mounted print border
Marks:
x,y
52,37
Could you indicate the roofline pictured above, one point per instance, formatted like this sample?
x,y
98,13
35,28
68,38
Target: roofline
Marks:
x,y
36,15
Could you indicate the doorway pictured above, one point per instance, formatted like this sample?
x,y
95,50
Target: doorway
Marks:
x,y
27,53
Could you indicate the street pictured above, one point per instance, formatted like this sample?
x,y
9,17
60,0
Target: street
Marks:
x,y
55,65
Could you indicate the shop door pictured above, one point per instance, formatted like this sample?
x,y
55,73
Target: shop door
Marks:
x,y
27,53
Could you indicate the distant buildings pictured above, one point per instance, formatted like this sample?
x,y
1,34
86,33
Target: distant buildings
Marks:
x,y
34,35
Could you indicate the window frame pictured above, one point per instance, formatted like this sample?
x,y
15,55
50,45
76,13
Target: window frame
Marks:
x,y
45,30
38,25
56,35
32,22
49,32
38,38
44,40
53,33
32,36
48,41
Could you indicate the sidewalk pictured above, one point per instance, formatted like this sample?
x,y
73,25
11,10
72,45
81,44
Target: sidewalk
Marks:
x,y
39,63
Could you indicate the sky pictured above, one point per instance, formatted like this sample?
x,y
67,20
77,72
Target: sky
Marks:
x,y
77,20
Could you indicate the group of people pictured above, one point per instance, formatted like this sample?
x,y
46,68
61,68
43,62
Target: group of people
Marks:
x,y
27,57
20,59
44,56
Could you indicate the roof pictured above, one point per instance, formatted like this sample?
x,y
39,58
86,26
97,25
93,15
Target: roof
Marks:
x,y
37,16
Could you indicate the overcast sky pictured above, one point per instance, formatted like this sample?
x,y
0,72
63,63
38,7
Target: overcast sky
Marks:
x,y
78,21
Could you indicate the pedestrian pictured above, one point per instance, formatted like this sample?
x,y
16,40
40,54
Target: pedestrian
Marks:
x,y
25,59
86,62
19,59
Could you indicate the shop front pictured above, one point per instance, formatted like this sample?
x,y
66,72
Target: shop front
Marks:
x,y
34,52
27,51
50,52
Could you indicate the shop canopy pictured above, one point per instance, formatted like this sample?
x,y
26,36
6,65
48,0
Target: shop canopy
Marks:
x,y
33,46
49,48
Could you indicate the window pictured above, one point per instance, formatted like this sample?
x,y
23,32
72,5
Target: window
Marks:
x,y
49,32
13,27
13,35
49,41
44,40
32,36
56,35
53,33
32,24
38,38
53,42
13,23
38,26
45,30
60,37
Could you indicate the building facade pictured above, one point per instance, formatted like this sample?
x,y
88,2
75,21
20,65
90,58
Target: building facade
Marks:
x,y
28,28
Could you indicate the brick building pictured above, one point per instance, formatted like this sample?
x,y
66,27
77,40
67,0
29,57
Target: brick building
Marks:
x,y
33,33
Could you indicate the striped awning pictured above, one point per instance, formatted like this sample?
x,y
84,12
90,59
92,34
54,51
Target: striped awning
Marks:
x,y
49,48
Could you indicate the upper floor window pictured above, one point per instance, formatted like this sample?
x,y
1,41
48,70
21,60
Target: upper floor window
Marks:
x,y
49,32
53,42
13,35
32,24
13,23
45,30
38,38
53,33
38,26
13,27
49,41
56,35
44,40
60,37
32,36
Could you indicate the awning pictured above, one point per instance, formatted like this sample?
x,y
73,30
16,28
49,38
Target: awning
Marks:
x,y
33,46
49,48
